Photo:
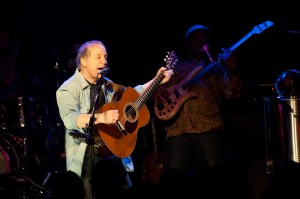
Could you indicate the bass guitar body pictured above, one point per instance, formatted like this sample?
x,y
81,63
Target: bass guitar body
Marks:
x,y
166,108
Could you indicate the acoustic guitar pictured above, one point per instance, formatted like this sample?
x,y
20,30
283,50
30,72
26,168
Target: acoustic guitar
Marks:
x,y
121,137
166,108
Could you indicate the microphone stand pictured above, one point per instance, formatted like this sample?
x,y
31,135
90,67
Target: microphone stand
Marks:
x,y
91,126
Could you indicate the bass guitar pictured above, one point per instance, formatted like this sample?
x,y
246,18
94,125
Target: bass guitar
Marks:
x,y
121,137
167,108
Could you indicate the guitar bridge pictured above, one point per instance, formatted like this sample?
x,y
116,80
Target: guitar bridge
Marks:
x,y
121,127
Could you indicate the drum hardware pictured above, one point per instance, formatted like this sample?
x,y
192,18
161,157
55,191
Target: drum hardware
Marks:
x,y
3,122
15,152
10,155
24,156
23,112
281,113
289,127
4,160
269,129
27,188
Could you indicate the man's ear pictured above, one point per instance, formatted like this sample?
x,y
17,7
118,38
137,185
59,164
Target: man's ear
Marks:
x,y
83,62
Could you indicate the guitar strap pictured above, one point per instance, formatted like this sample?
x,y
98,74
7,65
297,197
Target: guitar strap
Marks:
x,y
100,147
93,93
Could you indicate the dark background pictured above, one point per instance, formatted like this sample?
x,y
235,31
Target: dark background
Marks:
x,y
139,35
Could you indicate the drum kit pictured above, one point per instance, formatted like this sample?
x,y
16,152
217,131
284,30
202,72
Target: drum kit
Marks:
x,y
282,121
27,138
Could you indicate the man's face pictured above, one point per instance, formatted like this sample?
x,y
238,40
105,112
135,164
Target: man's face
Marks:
x,y
96,60
196,41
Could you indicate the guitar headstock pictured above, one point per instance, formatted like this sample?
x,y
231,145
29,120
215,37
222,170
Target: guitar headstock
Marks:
x,y
261,27
171,60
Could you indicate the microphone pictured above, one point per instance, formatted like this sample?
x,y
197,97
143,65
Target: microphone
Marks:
x,y
104,71
205,48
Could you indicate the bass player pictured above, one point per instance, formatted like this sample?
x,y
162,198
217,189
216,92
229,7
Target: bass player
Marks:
x,y
193,116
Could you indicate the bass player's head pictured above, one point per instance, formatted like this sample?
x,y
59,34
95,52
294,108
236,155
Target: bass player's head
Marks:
x,y
196,37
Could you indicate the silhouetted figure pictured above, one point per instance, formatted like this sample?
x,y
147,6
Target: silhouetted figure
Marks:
x,y
173,181
8,188
230,179
67,184
109,178
284,182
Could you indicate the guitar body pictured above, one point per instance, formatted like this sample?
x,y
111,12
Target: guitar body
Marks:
x,y
167,108
121,137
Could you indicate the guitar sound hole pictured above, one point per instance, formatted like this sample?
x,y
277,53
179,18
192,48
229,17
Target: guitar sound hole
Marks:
x,y
131,113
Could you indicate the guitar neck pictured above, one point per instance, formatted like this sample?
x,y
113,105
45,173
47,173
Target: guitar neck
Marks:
x,y
171,62
210,65
242,40
204,70
149,91
256,30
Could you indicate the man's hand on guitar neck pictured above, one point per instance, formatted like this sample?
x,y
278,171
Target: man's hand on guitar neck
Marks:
x,y
167,76
167,73
227,58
